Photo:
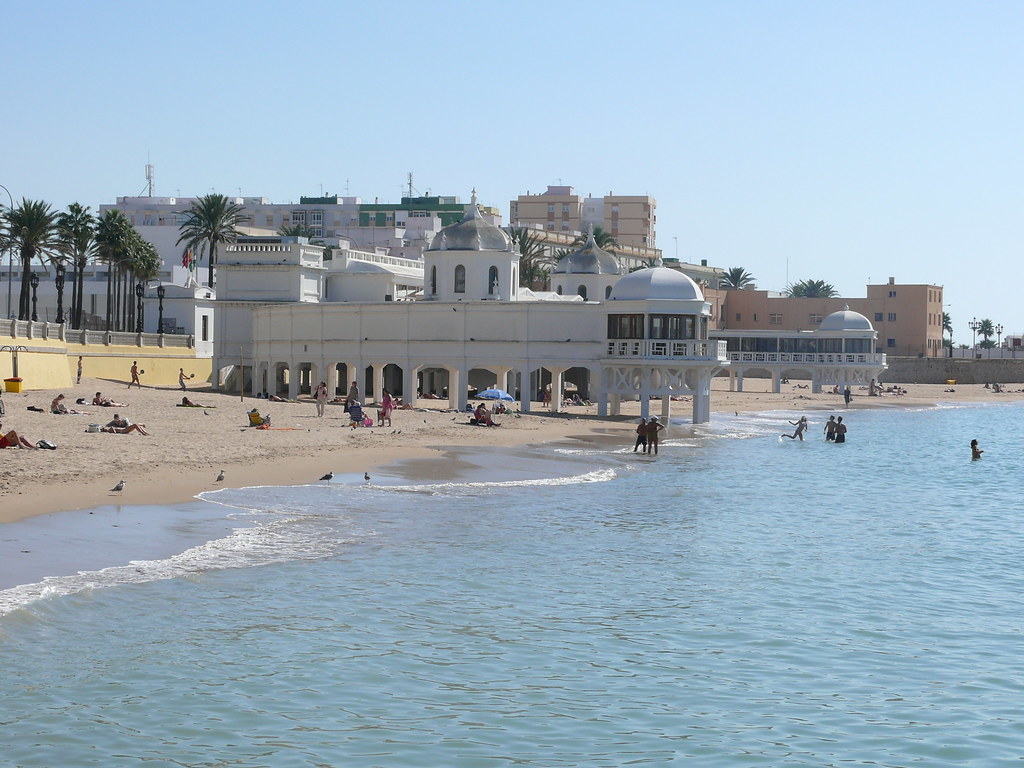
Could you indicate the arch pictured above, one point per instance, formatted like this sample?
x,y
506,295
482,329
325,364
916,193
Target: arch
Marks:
x,y
492,281
607,291
581,291
558,290
433,280
460,279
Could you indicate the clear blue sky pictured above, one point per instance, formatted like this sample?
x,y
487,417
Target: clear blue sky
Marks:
x,y
846,142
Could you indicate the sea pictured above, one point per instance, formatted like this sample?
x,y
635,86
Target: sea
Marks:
x,y
741,599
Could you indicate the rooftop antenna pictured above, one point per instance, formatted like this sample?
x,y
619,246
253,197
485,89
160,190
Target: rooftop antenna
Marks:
x,y
148,189
412,189
346,187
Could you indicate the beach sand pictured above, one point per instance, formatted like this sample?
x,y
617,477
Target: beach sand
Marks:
x,y
189,446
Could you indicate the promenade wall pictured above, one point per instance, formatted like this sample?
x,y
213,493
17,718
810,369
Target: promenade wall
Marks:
x,y
45,356
939,370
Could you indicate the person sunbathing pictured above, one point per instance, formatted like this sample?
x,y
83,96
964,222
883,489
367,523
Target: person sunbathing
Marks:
x,y
107,402
483,417
57,406
13,440
186,403
121,426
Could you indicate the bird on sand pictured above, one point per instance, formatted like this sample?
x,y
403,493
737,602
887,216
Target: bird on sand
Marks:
x,y
366,477
328,477
220,477
118,488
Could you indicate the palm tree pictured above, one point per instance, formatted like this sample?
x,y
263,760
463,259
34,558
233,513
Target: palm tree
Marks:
x,y
603,239
78,236
294,230
31,228
115,236
534,262
811,289
987,331
947,327
211,220
737,278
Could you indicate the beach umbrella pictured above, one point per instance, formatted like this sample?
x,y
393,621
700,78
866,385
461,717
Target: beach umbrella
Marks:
x,y
495,394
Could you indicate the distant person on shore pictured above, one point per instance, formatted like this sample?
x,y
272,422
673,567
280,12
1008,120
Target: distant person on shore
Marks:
x,y
801,427
79,381
847,396
641,436
653,428
840,430
182,378
387,405
321,398
353,396
123,426
975,450
135,375
830,429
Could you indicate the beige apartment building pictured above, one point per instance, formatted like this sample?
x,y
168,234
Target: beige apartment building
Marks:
x,y
630,219
908,318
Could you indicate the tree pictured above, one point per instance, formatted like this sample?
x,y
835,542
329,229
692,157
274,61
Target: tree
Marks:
x,y
211,220
737,278
947,327
987,331
811,289
78,238
294,230
115,236
31,229
603,239
534,262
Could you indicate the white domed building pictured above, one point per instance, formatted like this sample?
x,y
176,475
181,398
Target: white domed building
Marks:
x,y
640,336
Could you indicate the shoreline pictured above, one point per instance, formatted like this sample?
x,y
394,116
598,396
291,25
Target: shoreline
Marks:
x,y
189,446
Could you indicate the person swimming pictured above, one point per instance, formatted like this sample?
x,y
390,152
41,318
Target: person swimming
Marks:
x,y
975,450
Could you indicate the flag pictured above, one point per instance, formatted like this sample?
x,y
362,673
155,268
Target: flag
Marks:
x,y
187,259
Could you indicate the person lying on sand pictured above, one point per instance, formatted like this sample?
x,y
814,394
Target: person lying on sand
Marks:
x,y
13,440
186,403
107,402
121,426
57,406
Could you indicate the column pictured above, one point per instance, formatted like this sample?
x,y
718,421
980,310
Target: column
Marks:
x,y
776,381
557,383
645,392
455,385
378,382
525,390
409,384
294,377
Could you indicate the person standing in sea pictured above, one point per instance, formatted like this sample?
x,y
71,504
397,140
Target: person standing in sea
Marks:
x,y
641,436
975,450
840,430
801,427
830,429
653,428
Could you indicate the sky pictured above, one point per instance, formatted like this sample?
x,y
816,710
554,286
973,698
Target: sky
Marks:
x,y
837,141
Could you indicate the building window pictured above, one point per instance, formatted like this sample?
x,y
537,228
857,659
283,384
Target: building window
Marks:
x,y
755,317
775,318
433,279
316,218
892,317
565,226
551,208
739,317
814,318
565,207
298,217
558,290
879,317
891,343
492,280
316,232
460,279
206,328
671,327
625,326
607,291
582,291
551,225
269,220
892,294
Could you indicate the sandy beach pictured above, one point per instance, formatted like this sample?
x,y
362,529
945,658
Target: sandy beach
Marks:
x,y
188,447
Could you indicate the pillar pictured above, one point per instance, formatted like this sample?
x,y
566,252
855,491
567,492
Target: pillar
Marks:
x,y
557,384
525,390
378,382
409,384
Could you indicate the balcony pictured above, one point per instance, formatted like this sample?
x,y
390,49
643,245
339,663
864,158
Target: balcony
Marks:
x,y
808,358
688,349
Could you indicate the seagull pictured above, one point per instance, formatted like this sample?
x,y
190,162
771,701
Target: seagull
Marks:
x,y
366,477
220,477
328,477
118,488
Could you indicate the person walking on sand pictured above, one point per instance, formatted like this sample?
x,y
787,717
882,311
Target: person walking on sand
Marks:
x,y
135,375
840,430
847,396
801,427
182,378
653,428
79,381
641,436
975,450
321,398
830,429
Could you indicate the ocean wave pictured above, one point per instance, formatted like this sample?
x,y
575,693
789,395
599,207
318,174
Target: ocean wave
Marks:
x,y
597,476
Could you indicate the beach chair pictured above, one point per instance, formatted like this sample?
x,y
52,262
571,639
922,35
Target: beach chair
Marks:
x,y
355,415
255,420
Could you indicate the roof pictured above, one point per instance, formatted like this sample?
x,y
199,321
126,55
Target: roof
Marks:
x,y
473,233
846,320
656,283
588,260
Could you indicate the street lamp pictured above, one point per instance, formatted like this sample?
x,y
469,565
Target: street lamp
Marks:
x,y
160,292
10,268
34,282
59,280
999,333
974,325
140,290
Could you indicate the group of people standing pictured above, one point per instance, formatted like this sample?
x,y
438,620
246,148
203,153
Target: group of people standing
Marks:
x,y
647,435
835,429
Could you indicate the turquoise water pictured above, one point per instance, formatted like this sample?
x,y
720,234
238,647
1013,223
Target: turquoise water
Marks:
x,y
739,601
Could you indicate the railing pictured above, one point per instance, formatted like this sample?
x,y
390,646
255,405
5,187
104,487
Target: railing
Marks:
x,y
690,349
379,258
814,358
26,329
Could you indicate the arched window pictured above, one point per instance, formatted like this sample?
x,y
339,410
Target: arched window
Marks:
x,y
492,281
607,291
433,279
515,281
460,279
558,290
582,291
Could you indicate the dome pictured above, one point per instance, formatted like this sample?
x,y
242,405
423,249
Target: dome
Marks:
x,y
588,260
845,320
473,233
656,283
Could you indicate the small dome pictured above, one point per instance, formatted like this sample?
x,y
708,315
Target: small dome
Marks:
x,y
588,260
846,320
656,283
473,233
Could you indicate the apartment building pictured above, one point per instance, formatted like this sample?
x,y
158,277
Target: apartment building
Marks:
x,y
908,317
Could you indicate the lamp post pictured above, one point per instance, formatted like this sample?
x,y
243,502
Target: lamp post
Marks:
x,y
140,290
974,325
160,292
34,282
10,268
999,333
59,280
